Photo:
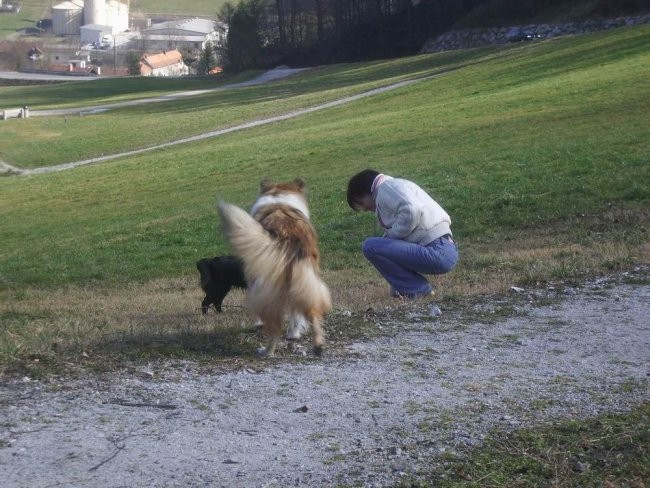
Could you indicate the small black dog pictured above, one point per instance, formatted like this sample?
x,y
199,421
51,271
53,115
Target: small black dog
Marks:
x,y
218,276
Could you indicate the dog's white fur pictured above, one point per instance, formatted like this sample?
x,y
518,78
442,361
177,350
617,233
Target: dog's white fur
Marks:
x,y
289,199
298,326
277,245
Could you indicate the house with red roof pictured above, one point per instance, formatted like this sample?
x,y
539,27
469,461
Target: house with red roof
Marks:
x,y
166,63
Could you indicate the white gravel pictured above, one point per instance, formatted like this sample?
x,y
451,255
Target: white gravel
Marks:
x,y
381,411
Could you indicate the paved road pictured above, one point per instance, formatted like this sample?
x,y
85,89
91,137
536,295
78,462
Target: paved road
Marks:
x,y
272,75
16,75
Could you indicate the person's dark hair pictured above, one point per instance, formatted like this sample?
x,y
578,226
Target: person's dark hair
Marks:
x,y
359,186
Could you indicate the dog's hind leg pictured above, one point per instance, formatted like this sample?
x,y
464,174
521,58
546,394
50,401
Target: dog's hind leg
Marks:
x,y
205,304
272,328
219,295
317,337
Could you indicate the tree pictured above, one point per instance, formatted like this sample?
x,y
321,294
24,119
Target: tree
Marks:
x,y
246,34
190,58
133,63
207,60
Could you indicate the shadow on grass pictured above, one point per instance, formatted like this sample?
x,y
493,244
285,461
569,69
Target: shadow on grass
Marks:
x,y
222,340
181,335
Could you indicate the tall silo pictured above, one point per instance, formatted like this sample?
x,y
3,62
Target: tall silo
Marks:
x,y
113,13
66,18
117,15
95,12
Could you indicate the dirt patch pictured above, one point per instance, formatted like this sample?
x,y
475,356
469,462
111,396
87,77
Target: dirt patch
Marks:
x,y
369,413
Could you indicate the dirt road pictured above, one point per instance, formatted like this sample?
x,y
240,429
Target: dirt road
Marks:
x,y
368,413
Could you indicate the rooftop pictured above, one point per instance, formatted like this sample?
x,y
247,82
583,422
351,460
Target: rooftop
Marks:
x,y
205,26
160,60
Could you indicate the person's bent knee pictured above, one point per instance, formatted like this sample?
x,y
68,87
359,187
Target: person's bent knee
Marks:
x,y
368,247
447,261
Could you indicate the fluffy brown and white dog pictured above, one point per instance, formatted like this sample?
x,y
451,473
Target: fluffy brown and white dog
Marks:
x,y
279,248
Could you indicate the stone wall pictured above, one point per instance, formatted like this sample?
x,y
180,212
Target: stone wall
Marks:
x,y
469,38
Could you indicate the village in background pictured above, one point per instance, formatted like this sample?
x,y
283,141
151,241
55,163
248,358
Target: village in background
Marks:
x,y
102,37
116,38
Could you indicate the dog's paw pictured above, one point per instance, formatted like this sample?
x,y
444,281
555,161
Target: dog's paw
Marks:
x,y
262,352
318,351
295,348
265,352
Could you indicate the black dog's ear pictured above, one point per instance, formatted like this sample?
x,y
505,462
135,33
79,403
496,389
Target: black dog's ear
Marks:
x,y
265,185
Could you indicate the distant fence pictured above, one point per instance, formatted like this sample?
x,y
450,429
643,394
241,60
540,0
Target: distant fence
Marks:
x,y
71,74
9,113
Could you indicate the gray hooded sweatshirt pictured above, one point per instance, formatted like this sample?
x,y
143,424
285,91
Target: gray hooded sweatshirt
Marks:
x,y
407,212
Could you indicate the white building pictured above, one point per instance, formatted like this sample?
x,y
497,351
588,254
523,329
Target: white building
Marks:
x,y
114,13
68,17
191,34
166,63
94,33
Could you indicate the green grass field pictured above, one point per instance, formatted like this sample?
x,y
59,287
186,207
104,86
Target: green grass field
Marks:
x,y
30,13
523,138
539,153
201,8
64,138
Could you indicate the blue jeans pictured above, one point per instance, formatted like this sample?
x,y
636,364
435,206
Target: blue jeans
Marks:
x,y
403,263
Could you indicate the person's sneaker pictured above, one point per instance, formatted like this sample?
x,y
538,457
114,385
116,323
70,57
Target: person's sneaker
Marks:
x,y
407,296
393,292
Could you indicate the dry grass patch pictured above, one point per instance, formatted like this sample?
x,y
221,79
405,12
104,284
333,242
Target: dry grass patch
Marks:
x,y
101,326
44,328
562,251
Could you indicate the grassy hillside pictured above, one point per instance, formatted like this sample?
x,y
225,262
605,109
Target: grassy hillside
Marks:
x,y
539,153
205,8
31,11
31,142
522,138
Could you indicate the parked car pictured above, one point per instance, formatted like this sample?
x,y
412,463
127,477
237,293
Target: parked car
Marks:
x,y
44,24
519,35
10,7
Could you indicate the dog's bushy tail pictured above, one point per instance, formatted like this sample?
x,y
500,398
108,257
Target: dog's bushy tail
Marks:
x,y
283,277
260,254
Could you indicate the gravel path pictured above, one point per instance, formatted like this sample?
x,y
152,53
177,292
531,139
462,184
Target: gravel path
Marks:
x,y
268,76
368,413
